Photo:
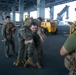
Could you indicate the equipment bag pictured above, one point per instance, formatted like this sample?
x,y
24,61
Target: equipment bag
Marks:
x,y
70,61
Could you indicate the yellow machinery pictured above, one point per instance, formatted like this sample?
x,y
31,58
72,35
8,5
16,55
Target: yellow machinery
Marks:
x,y
50,27
73,27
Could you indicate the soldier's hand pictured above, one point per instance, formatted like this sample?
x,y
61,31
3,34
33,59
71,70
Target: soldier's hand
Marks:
x,y
5,39
12,29
29,41
25,42
42,36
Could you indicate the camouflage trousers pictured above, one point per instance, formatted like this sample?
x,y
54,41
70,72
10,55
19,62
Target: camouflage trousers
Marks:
x,y
39,49
72,73
25,50
7,46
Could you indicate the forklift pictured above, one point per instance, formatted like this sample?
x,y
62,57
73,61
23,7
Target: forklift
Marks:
x,y
49,27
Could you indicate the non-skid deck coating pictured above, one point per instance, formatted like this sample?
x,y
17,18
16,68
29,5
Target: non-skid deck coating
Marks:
x,y
52,61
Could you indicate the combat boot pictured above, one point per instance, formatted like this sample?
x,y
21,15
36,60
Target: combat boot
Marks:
x,y
30,62
18,63
7,55
14,52
39,65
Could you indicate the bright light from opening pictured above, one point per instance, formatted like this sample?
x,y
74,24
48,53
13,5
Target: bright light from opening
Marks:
x,y
33,14
72,13
17,17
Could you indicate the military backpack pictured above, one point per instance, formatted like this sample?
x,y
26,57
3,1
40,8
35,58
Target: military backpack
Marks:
x,y
70,61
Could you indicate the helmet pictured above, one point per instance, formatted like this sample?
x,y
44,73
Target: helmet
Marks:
x,y
27,21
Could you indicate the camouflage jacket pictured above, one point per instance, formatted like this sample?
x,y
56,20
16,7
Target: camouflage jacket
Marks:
x,y
24,34
7,29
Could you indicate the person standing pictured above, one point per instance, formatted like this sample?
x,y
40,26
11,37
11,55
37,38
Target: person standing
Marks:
x,y
7,32
68,48
37,43
40,31
26,47
29,40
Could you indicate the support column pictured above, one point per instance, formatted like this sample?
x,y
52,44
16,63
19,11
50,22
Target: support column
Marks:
x,y
67,14
3,16
7,13
28,13
51,12
21,9
41,8
13,13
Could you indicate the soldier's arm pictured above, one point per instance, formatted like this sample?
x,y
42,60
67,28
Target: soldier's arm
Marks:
x,y
63,51
25,35
4,31
28,37
14,28
28,41
69,45
41,34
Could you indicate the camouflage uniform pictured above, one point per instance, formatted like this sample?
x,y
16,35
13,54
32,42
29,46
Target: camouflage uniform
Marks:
x,y
38,42
39,47
24,34
8,34
72,73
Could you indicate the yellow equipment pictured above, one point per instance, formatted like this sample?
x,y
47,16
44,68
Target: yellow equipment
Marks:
x,y
75,22
50,27
73,28
3,41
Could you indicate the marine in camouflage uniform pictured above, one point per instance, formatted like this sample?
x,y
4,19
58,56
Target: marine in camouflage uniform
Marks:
x,y
39,48
40,29
22,33
39,38
7,31
24,36
37,43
